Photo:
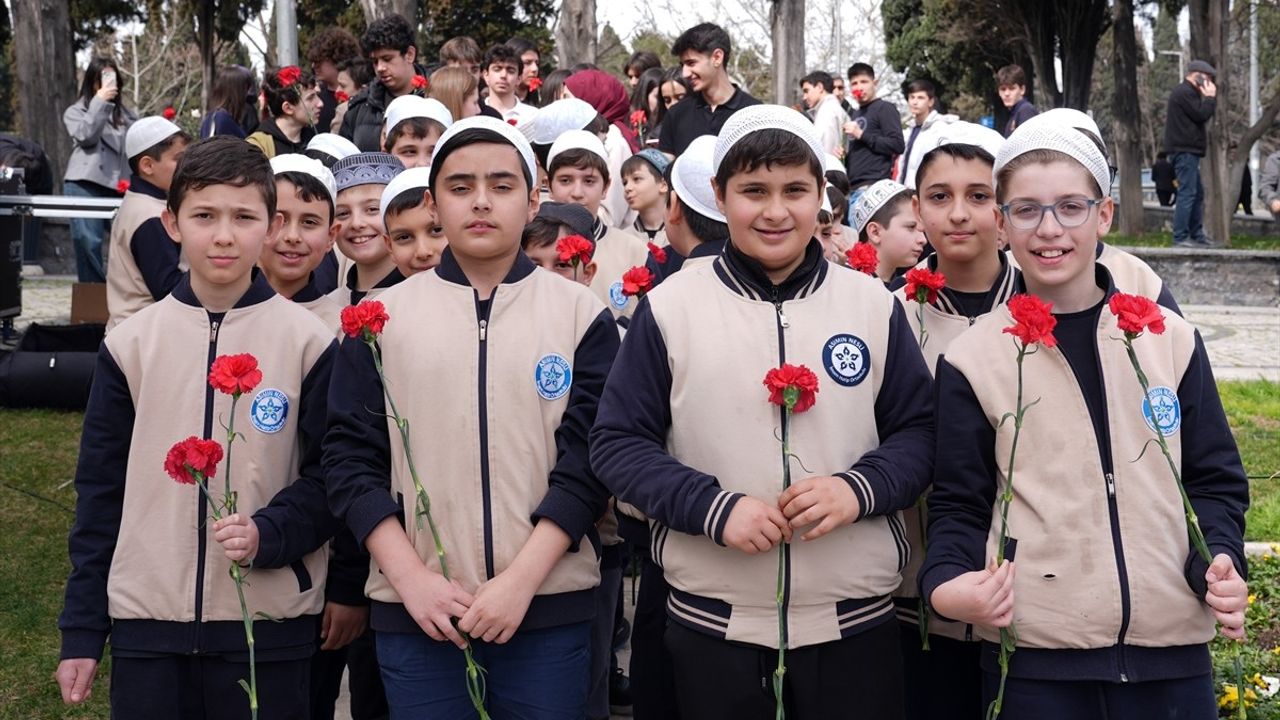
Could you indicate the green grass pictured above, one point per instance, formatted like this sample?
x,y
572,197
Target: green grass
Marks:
x,y
1253,410
1165,239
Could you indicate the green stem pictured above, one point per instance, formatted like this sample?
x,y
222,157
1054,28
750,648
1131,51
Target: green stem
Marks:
x,y
229,504
924,334
781,670
474,672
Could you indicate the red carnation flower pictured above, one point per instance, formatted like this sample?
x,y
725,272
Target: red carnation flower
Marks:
x,y
1136,314
289,75
638,118
533,84
1034,320
637,281
857,94
511,122
658,253
122,187
863,258
235,374
420,82
923,285
191,456
169,113
794,387
575,250
370,316
341,96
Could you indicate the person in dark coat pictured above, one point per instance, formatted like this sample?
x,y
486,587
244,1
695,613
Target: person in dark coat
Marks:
x,y
389,45
1163,176
1191,105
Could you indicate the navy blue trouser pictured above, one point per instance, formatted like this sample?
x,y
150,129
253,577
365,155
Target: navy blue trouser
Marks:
x,y
1188,213
1179,699
950,671
207,687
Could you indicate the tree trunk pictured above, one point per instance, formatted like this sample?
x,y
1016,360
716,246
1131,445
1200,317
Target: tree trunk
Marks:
x,y
1127,120
378,9
1039,39
576,32
46,75
205,38
786,25
1079,25
1209,28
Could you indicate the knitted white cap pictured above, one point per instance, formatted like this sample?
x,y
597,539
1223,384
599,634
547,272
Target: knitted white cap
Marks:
x,y
691,177
967,133
766,117
577,140
147,132
293,162
831,163
333,145
412,179
445,144
558,118
1065,139
872,199
412,106
1069,117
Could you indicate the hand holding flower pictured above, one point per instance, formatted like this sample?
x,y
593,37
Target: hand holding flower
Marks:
x,y
238,535
1227,595
981,597
433,602
827,501
499,607
755,526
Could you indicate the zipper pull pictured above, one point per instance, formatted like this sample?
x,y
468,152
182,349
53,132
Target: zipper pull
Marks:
x,y
1111,485
972,320
213,331
484,326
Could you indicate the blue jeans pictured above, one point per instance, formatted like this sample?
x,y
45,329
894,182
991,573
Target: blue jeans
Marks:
x,y
1188,214
537,675
87,233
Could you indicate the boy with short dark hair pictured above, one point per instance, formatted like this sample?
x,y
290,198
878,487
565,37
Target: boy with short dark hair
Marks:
x,y
293,103
828,117
1011,81
414,239
360,181
925,130
716,499
389,45
874,130
703,51
554,222
148,568
143,262
646,191
502,75
412,126
305,195
518,496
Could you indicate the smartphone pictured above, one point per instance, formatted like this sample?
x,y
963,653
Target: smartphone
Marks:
x,y
108,78
1199,81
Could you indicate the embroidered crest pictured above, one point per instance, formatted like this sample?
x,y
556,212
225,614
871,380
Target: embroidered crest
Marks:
x,y
552,376
269,410
1162,411
616,295
846,359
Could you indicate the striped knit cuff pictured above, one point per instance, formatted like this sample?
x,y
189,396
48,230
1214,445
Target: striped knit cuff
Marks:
x,y
862,489
718,515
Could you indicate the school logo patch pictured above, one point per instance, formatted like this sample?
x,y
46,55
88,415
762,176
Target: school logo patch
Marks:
x,y
616,296
552,376
846,359
269,409
1162,411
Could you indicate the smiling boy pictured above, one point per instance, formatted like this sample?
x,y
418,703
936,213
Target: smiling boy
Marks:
x,y
703,51
360,181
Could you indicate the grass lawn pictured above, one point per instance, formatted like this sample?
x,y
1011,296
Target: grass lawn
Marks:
x,y
37,461
1165,239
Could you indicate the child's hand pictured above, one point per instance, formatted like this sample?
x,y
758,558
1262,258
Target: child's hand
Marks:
x,y
1228,595
341,624
238,535
499,608
828,501
981,597
755,526
75,678
433,602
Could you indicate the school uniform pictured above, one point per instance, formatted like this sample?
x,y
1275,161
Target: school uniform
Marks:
x,y
1132,275
145,569
499,432
685,430
348,294
1108,597
325,306
143,262
616,252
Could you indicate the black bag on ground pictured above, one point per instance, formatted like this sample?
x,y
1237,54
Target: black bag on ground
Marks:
x,y
52,367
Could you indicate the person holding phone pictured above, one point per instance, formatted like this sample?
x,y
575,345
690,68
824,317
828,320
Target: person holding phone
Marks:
x,y
1191,106
97,122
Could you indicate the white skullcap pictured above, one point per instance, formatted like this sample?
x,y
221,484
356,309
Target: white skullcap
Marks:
x,y
412,106
691,178
766,117
333,145
967,133
831,163
826,202
558,118
577,140
293,162
872,199
1068,117
1062,138
146,133
412,179
514,137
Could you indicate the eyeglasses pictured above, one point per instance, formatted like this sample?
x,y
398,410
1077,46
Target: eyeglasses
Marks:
x,y
1069,212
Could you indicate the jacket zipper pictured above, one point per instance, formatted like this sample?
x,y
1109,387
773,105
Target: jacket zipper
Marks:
x,y
783,324
482,316
202,509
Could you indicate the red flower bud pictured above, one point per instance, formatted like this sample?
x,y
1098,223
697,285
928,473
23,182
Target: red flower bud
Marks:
x,y
923,285
511,122
289,75
368,317
863,258
1136,314
575,250
533,84
637,281
420,82
1033,320
341,96
169,113
191,456
638,118
794,387
122,187
658,253
235,374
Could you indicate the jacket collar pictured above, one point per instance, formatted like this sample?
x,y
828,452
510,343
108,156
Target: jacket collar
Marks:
x,y
139,185
1101,276
391,278
450,271
999,292
745,276
309,292
709,248
735,102
259,291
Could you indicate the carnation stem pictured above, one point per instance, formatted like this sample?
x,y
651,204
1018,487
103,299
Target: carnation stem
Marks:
x,y
778,673
475,673
229,504
924,334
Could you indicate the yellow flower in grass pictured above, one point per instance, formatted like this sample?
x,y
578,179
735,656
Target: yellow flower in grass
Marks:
x,y
1230,697
1252,598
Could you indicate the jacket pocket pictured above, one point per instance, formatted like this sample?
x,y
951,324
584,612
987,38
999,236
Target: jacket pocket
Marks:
x,y
300,571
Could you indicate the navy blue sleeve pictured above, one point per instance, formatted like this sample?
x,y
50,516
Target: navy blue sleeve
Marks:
x,y
356,447
1166,299
1025,112
575,499
887,140
297,520
964,484
628,442
100,479
1211,470
891,477
156,255
348,570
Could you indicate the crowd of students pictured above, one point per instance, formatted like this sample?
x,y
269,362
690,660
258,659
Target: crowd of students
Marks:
x,y
568,427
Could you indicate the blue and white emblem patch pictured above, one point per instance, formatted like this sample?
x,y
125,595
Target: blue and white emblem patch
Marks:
x,y
1162,411
846,359
616,295
552,376
269,410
